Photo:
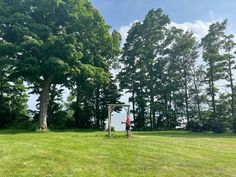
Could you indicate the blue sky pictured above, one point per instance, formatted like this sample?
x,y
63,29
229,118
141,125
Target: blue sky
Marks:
x,y
118,13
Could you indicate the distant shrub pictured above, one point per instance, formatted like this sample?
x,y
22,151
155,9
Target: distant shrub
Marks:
x,y
219,128
195,126
142,129
24,124
112,128
60,120
206,126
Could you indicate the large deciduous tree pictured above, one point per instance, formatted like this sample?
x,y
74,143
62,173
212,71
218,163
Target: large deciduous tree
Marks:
x,y
48,38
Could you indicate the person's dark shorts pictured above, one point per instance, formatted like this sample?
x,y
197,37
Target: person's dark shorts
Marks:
x,y
127,128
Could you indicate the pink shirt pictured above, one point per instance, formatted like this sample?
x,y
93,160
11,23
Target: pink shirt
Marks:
x,y
128,120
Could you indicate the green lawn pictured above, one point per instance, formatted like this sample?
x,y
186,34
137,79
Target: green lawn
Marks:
x,y
84,153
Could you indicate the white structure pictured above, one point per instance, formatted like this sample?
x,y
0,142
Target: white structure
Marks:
x,y
111,107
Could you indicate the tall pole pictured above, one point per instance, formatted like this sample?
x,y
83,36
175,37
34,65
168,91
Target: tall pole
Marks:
x,y
109,121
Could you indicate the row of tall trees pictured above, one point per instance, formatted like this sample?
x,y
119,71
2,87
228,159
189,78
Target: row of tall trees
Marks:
x,y
175,80
51,43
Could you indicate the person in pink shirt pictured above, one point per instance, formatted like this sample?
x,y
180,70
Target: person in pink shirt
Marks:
x,y
127,125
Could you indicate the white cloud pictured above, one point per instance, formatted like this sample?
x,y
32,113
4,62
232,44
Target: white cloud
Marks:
x,y
123,30
198,27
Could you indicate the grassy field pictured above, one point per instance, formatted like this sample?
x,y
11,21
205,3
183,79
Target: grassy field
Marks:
x,y
92,154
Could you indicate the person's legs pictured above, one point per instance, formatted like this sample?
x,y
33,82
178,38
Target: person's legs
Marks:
x,y
129,133
128,130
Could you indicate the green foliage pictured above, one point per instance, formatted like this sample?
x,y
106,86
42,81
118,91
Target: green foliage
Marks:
x,y
90,103
144,43
13,97
56,42
61,120
167,85
157,61
212,43
24,124
229,67
100,49
51,44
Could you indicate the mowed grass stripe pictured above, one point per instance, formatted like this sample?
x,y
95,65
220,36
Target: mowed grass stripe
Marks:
x,y
85,153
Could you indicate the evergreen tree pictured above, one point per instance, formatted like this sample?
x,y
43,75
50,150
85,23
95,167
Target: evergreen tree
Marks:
x,y
212,43
197,97
129,76
185,52
155,39
229,47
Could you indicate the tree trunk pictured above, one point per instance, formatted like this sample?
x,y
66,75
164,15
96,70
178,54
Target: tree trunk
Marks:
x,y
213,97
150,117
142,108
44,102
133,104
153,112
78,103
197,94
152,106
97,108
51,107
166,112
232,95
175,111
186,99
1,88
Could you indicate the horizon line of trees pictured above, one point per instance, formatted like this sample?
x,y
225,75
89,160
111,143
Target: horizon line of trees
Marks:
x,y
172,77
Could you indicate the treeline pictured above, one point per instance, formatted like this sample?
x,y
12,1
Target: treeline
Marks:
x,y
176,80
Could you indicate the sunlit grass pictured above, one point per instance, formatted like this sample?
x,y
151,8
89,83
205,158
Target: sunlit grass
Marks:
x,y
85,153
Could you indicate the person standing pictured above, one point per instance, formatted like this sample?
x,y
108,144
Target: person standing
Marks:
x,y
128,126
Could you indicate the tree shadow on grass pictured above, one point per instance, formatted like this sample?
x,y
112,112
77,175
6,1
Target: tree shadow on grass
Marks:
x,y
76,130
12,132
19,131
185,134
80,131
